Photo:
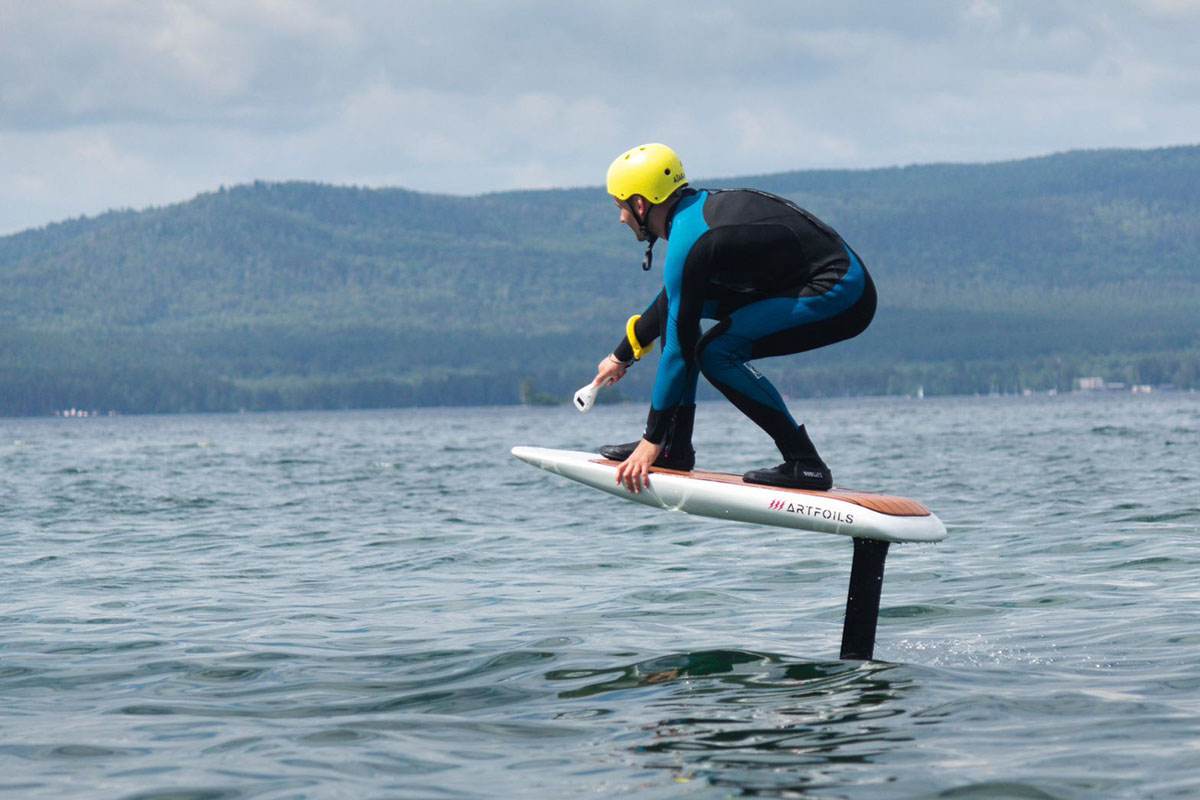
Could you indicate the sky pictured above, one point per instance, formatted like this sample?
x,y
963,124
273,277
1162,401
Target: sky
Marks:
x,y
137,103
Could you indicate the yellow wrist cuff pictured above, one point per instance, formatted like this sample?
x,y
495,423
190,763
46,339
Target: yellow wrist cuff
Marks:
x,y
638,350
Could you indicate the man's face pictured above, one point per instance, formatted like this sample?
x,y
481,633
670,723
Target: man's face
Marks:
x,y
627,218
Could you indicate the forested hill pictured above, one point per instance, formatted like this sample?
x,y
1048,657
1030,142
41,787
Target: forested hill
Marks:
x,y
992,277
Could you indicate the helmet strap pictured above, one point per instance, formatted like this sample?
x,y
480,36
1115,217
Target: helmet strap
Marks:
x,y
648,258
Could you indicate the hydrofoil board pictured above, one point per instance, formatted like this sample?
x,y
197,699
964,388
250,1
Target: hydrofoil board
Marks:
x,y
861,515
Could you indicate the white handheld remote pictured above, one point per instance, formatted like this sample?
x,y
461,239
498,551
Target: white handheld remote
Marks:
x,y
585,397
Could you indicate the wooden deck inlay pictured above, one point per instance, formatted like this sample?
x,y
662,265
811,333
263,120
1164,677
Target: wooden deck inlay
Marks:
x,y
891,505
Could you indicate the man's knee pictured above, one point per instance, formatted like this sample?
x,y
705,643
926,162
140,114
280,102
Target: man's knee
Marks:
x,y
717,357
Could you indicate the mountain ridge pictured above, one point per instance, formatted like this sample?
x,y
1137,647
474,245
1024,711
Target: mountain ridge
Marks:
x,y
281,294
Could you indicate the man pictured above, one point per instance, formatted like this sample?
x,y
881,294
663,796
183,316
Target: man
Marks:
x,y
775,278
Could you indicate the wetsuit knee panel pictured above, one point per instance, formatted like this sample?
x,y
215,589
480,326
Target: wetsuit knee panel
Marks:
x,y
717,349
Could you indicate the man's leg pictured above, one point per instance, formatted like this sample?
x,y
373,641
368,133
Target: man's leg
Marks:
x,y
780,326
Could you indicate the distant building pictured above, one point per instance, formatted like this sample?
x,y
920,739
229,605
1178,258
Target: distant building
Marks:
x,y
1101,385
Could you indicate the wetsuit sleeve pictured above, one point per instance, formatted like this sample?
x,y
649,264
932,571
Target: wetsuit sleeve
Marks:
x,y
647,329
685,284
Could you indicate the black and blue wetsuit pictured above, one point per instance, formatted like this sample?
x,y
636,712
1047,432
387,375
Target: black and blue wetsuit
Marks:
x,y
776,279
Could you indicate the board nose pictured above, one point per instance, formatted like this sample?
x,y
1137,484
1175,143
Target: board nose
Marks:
x,y
529,455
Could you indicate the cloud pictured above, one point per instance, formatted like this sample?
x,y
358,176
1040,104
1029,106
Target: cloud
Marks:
x,y
85,62
109,103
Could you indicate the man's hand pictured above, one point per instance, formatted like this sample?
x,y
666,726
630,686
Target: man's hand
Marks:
x,y
634,472
609,371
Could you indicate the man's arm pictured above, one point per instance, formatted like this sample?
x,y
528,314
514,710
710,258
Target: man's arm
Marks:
x,y
646,329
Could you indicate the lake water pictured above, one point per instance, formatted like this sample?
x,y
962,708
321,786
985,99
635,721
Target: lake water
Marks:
x,y
387,604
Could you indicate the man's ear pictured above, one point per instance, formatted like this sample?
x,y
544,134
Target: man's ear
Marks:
x,y
641,205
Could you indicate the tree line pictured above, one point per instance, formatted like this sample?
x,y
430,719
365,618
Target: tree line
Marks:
x,y
993,277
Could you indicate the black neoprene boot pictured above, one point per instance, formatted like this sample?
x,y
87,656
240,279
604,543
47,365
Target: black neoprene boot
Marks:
x,y
677,452
802,469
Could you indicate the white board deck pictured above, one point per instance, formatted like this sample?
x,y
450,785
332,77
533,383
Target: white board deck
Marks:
x,y
864,515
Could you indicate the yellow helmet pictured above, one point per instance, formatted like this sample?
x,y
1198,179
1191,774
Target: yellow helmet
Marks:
x,y
651,170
